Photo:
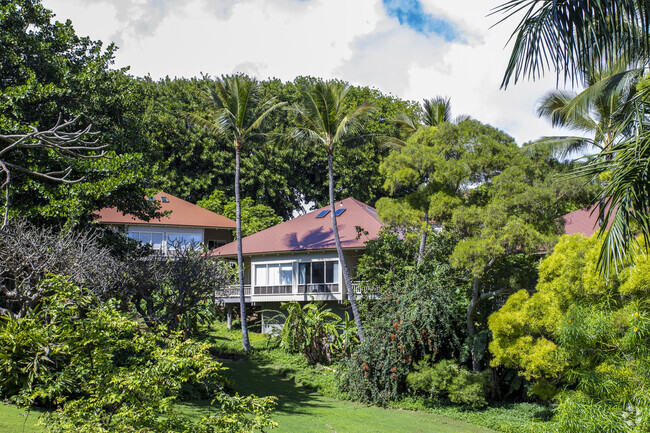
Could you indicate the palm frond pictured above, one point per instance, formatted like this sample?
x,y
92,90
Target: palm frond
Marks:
x,y
627,194
569,35
214,128
406,122
559,147
267,108
351,123
436,111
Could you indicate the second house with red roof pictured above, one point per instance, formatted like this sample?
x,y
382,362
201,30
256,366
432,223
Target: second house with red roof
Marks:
x,y
297,259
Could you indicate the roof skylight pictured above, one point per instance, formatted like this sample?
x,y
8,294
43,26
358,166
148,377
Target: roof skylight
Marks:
x,y
323,213
339,211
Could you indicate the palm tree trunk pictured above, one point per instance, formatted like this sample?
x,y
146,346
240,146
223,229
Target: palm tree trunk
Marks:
x,y
423,237
240,258
339,250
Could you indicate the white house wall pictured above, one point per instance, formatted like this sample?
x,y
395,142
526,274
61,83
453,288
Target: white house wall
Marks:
x,y
294,259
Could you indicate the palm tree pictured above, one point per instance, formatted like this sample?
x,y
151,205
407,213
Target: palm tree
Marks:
x,y
238,115
435,111
574,36
597,111
323,120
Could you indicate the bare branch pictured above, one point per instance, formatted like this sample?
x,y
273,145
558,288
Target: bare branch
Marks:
x,y
69,145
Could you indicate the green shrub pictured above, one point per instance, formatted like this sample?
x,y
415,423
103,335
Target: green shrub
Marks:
x,y
104,373
470,388
443,375
582,339
315,332
445,379
414,321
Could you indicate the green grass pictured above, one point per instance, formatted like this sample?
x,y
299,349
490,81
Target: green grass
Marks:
x,y
15,420
301,409
307,399
511,417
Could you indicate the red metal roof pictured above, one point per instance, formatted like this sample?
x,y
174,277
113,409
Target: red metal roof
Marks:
x,y
583,221
183,213
306,232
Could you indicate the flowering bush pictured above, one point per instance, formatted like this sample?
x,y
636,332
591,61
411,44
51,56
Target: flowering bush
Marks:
x,y
418,317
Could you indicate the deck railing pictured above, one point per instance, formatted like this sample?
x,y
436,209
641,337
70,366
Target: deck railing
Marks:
x,y
232,291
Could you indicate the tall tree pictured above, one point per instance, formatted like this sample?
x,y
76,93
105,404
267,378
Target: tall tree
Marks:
x,y
47,71
322,119
238,115
432,112
409,175
503,205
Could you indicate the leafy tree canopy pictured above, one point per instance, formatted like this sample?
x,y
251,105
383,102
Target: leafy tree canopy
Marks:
x,y
47,71
255,217
582,333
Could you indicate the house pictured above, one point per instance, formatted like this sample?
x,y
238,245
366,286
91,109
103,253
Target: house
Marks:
x,y
184,224
584,221
297,259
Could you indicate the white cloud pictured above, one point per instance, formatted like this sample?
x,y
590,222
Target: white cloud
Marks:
x,y
352,40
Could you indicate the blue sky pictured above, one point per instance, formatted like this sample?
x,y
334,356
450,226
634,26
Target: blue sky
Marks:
x,y
411,13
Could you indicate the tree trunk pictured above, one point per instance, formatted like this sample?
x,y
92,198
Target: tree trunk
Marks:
x,y
240,259
339,250
471,327
423,237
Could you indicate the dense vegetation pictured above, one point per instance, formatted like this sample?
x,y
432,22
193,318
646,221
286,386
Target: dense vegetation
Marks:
x,y
472,297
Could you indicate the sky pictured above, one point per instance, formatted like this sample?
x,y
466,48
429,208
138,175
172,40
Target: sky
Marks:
x,y
411,49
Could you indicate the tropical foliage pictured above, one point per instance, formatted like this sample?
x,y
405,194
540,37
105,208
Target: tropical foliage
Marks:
x,y
104,374
415,313
323,120
582,339
254,217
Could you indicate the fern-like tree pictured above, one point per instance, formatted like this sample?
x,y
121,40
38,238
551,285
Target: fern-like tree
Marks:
x,y
238,113
325,120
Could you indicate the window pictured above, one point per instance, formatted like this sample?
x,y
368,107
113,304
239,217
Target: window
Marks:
x,y
216,244
182,240
275,278
152,238
164,199
319,276
339,211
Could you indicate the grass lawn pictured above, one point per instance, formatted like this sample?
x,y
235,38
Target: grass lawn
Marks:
x,y
302,410
15,420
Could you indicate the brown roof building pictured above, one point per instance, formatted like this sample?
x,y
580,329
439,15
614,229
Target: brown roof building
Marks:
x,y
297,259
584,221
181,213
357,223
184,224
